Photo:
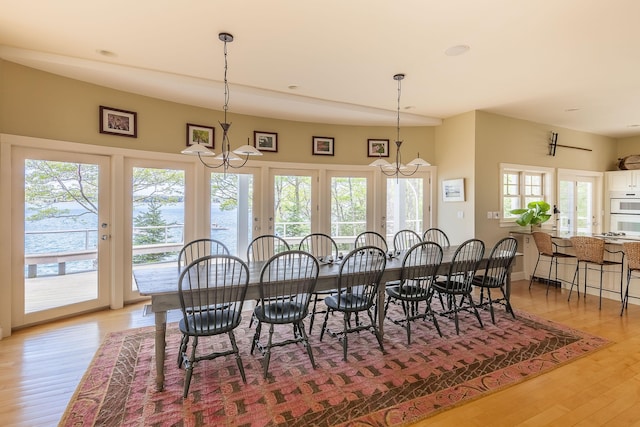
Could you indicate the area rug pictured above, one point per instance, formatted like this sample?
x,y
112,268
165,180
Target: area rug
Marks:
x,y
405,385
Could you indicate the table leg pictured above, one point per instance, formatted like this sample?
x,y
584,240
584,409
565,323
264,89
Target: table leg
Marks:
x,y
161,329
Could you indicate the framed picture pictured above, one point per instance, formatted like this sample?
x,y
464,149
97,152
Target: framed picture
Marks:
x,y
118,122
323,145
200,134
378,147
453,190
265,141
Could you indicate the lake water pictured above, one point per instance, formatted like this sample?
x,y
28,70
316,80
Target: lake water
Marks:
x,y
68,240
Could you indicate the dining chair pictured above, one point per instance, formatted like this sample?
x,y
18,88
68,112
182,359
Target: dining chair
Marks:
x,y
419,268
590,251
287,281
632,253
211,290
496,274
547,248
371,238
199,248
459,279
404,239
358,281
262,248
265,246
325,250
438,236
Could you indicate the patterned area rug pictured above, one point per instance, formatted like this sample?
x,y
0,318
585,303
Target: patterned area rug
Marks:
x,y
405,385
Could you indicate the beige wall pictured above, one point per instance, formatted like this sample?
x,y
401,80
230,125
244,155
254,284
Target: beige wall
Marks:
x,y
44,105
455,158
628,146
502,139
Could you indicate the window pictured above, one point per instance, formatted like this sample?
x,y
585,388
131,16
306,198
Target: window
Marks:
x,y
522,185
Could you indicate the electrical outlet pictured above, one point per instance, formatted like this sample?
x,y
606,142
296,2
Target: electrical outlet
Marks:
x,y
496,215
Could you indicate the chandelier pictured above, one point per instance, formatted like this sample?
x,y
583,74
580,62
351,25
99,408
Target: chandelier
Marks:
x,y
398,169
227,158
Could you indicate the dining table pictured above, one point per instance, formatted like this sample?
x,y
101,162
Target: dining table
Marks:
x,y
161,285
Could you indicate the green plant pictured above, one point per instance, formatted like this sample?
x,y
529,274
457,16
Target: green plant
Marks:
x,y
534,214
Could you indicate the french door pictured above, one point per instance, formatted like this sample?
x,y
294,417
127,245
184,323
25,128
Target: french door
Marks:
x,y
408,205
61,234
578,204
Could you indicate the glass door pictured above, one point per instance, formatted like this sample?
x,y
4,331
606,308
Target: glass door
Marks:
x,y
577,205
408,204
156,214
294,204
233,215
62,200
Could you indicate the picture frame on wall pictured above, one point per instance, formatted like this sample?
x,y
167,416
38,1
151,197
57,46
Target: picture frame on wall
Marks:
x,y
453,190
323,146
118,122
378,147
201,134
265,141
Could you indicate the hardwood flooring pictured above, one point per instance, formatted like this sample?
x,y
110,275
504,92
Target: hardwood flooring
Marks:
x,y
41,366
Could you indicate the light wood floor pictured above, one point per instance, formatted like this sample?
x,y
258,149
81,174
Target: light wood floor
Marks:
x,y
40,368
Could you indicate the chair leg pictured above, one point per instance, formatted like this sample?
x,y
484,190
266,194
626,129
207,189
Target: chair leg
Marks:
x,y
232,339
573,282
475,310
549,275
324,324
625,300
267,354
313,313
601,274
507,303
344,336
182,355
189,367
305,339
256,337
534,271
493,319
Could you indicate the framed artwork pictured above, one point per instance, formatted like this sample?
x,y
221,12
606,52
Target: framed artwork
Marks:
x,y
378,147
323,146
453,190
265,141
118,122
200,134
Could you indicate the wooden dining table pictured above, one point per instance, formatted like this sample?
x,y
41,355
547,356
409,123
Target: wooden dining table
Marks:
x,y
161,285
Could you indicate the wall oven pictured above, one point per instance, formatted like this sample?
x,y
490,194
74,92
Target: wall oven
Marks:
x,y
625,212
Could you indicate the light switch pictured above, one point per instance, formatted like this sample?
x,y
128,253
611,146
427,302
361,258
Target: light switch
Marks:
x,y
460,214
496,215
489,215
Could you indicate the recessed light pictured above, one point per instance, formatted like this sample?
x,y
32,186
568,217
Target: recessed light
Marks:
x,y
633,126
409,107
457,50
106,53
569,110
293,87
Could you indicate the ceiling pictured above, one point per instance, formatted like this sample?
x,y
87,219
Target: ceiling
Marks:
x,y
569,63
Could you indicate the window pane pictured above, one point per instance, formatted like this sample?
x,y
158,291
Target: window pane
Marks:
x,y
231,204
158,215
292,202
404,205
348,210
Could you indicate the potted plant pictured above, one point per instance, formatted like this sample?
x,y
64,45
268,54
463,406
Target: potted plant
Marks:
x,y
534,214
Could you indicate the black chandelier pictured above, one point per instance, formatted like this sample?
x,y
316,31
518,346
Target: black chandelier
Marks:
x,y
227,158
398,169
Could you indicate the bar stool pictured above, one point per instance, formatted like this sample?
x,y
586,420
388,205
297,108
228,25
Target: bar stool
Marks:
x,y
591,250
632,252
548,248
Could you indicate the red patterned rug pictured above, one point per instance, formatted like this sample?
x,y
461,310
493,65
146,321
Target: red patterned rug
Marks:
x,y
405,385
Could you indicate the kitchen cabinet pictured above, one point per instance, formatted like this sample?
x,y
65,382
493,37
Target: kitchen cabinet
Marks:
x,y
623,180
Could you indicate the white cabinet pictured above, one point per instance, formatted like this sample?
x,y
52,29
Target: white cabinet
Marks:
x,y
623,180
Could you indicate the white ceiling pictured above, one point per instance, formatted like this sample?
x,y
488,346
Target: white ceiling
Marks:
x,y
536,60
